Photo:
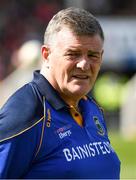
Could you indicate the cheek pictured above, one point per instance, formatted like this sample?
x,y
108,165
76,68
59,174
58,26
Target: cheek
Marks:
x,y
65,67
60,72
95,68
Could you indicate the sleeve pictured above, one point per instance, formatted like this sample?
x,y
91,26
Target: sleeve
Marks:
x,y
17,154
19,133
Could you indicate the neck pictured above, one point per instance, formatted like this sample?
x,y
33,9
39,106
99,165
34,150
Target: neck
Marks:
x,y
71,102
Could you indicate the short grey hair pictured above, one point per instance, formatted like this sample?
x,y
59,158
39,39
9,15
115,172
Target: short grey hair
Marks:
x,y
80,21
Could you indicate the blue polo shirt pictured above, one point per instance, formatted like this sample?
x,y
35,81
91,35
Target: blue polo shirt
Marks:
x,y
40,139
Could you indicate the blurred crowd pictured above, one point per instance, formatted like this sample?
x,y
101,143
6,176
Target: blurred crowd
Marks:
x,y
22,20
112,7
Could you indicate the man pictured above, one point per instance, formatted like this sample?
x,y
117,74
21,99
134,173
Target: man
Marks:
x,y
50,128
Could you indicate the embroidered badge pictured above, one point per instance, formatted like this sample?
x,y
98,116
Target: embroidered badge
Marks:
x,y
99,127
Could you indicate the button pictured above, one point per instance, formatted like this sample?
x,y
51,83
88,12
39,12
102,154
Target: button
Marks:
x,y
76,114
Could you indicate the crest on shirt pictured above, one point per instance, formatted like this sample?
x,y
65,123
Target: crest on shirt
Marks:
x,y
99,127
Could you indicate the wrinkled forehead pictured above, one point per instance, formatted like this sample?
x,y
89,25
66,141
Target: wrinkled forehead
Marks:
x,y
65,28
66,39
68,35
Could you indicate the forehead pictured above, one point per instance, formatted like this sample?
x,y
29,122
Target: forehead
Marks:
x,y
67,39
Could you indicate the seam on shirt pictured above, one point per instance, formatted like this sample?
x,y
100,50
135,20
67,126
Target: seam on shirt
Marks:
x,y
43,128
21,132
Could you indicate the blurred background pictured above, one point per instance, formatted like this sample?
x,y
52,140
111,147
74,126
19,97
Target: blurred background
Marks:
x,y
22,25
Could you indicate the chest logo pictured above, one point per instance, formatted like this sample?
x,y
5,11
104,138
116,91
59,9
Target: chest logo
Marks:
x,y
64,132
99,127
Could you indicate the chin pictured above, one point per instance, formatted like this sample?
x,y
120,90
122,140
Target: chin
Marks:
x,y
79,92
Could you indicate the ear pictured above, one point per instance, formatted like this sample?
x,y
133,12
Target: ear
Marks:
x,y
102,53
45,51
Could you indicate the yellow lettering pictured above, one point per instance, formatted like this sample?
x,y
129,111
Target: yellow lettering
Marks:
x,y
48,118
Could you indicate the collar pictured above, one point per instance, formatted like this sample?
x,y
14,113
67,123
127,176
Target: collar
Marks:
x,y
47,90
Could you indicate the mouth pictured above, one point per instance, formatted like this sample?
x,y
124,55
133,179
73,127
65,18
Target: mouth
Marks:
x,y
81,77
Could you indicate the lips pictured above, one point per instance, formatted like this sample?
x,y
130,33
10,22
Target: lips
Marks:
x,y
81,76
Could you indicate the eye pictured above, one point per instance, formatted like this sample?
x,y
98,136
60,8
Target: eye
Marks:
x,y
91,55
94,57
73,54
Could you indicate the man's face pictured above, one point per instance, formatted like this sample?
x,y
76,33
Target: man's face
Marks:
x,y
74,63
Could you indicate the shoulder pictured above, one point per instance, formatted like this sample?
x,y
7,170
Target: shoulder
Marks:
x,y
22,110
95,103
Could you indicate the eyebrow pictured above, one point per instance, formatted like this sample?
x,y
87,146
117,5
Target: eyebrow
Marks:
x,y
67,51
73,50
94,52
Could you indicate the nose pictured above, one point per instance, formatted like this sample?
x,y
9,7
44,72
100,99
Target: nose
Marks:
x,y
83,64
